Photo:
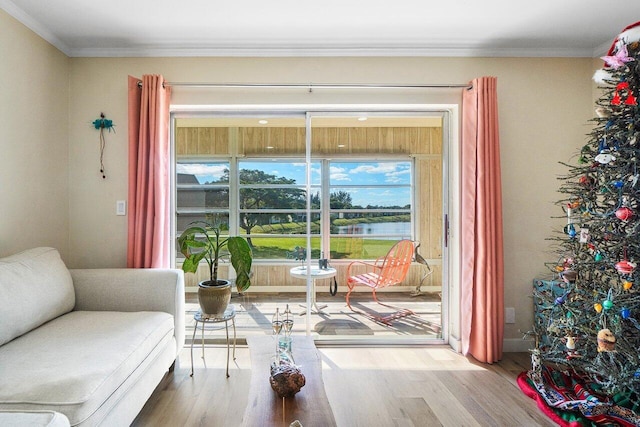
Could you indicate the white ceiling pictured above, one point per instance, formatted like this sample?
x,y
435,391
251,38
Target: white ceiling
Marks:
x,y
327,28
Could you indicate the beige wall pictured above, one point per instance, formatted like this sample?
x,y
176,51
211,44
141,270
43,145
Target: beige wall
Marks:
x,y
545,105
34,141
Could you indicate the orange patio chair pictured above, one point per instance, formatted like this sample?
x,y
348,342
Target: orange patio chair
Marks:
x,y
386,271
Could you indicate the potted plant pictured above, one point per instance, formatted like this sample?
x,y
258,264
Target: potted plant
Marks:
x,y
202,240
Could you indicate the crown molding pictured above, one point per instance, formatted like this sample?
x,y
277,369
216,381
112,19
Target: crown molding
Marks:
x,y
602,50
353,51
34,25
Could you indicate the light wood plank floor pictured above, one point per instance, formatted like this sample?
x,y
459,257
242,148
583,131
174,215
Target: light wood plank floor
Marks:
x,y
427,386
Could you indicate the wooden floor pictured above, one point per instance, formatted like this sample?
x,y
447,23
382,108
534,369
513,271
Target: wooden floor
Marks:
x,y
411,386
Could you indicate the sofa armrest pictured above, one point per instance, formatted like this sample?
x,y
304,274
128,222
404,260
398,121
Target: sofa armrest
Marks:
x,y
132,289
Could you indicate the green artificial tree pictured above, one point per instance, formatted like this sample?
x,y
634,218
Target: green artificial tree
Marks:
x,y
588,316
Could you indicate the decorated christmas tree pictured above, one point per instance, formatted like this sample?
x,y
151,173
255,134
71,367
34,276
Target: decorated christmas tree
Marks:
x,y
587,325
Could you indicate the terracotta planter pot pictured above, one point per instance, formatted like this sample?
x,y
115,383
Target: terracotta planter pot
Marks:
x,y
214,299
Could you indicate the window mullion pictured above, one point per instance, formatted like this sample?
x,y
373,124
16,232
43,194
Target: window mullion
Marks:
x,y
234,196
325,222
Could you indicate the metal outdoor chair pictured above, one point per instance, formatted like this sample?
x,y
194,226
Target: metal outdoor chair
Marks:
x,y
384,272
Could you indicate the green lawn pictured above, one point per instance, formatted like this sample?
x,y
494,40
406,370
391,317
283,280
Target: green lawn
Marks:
x,y
341,247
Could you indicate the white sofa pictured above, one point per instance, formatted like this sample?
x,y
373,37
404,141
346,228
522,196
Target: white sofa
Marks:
x,y
89,344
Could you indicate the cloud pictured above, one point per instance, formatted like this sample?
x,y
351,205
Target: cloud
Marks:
x,y
393,172
338,174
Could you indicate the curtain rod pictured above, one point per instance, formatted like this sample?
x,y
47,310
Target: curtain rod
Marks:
x,y
311,86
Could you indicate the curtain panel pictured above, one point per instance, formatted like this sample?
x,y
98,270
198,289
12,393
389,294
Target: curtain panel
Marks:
x,y
482,275
148,242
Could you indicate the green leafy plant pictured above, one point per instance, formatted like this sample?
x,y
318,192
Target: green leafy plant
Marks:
x,y
202,240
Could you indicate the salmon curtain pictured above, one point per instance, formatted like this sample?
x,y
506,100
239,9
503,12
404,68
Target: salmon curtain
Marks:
x,y
482,275
148,244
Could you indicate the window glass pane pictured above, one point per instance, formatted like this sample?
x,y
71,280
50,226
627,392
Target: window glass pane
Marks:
x,y
359,247
371,173
392,224
371,198
202,193
284,248
278,172
278,223
202,173
184,219
277,198
200,198
370,207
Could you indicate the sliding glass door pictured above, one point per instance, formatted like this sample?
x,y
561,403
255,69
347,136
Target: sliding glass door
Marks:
x,y
304,186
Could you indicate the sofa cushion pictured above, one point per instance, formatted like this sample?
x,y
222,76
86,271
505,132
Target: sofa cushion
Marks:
x,y
75,362
35,287
33,419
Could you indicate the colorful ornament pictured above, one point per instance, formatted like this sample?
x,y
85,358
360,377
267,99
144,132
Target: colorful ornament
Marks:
x,y
571,347
586,180
626,285
607,304
584,235
570,230
597,307
622,88
569,276
625,313
571,343
603,113
625,267
598,257
624,213
618,60
606,341
605,157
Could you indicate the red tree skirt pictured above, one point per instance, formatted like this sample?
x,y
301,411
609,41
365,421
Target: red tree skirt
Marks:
x,y
568,401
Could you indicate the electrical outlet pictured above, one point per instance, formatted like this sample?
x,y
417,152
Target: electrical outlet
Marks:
x,y
121,207
509,315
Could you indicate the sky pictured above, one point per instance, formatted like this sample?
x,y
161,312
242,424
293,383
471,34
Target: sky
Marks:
x,y
341,174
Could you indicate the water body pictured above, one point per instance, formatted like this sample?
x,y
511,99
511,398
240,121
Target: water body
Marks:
x,y
378,229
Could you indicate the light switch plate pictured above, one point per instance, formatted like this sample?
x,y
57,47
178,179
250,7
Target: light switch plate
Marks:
x,y
121,207
509,315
